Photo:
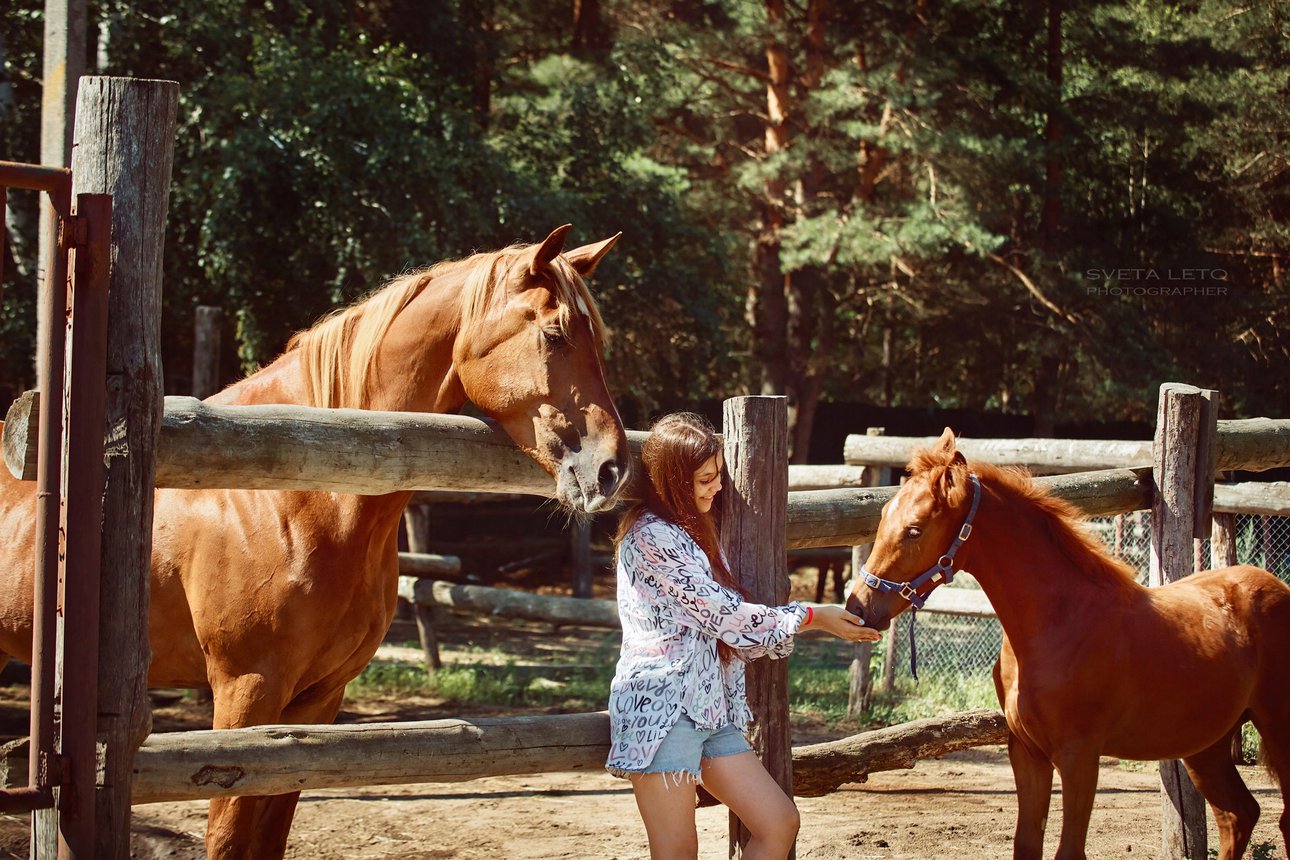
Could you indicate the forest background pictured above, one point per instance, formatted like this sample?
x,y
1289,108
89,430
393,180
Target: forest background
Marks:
x,y
1037,209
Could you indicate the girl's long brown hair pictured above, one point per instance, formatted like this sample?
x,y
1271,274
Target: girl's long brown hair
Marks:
x,y
678,446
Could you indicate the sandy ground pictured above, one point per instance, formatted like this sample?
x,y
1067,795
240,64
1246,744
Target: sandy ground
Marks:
x,y
961,806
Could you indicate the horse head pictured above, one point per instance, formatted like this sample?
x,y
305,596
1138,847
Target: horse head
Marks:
x,y
528,354
919,526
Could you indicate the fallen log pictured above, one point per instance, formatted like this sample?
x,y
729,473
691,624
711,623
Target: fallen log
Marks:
x,y
277,759
820,768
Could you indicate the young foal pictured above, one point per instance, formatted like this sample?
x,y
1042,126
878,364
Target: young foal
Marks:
x,y
1093,663
275,600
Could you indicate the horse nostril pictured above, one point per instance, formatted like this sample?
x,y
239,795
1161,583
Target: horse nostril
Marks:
x,y
608,476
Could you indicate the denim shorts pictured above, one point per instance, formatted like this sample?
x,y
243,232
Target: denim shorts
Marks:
x,y
686,747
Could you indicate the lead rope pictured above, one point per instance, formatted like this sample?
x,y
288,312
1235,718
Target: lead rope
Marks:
x,y
913,647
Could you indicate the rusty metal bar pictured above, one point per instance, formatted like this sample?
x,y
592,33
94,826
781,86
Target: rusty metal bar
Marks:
x,y
19,800
55,181
44,771
82,512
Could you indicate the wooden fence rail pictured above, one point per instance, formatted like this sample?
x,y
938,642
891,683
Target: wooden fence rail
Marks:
x,y
1253,444
340,450
197,765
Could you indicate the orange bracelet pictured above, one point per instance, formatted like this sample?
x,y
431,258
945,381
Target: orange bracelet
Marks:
x,y
810,613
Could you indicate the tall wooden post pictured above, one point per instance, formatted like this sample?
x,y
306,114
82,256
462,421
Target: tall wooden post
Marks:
x,y
125,134
1186,427
860,675
754,518
62,66
207,322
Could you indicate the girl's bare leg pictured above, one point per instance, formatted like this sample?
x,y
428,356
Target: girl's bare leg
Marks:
x,y
667,808
742,783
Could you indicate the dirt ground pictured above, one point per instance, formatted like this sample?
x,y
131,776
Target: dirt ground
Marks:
x,y
961,806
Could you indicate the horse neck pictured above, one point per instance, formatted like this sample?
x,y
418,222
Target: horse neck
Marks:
x,y
1033,584
413,369
413,373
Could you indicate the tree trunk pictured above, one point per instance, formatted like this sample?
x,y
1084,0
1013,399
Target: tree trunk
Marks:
x,y
1050,218
810,309
767,302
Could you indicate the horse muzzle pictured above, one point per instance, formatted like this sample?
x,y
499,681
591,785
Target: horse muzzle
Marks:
x,y
590,480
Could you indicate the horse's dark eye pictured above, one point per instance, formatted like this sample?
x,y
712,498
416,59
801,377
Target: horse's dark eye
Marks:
x,y
913,532
554,337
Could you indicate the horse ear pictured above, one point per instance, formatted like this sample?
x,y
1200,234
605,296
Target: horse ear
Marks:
x,y
549,249
945,444
585,259
953,478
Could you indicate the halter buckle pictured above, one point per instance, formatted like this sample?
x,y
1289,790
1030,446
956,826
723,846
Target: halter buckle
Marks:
x,y
965,532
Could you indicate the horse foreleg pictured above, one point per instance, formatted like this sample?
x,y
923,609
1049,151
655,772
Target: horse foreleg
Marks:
x,y
1235,809
1034,777
256,828
1079,787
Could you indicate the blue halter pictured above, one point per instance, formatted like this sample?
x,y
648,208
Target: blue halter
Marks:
x,y
937,574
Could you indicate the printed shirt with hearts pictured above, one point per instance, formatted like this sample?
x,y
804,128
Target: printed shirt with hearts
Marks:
x,y
673,612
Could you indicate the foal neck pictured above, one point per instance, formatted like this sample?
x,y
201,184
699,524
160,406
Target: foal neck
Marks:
x,y
1038,572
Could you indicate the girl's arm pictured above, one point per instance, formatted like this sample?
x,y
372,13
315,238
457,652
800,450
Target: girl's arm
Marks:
x,y
663,557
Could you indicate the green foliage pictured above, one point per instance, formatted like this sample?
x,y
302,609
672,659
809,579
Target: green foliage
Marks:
x,y
325,147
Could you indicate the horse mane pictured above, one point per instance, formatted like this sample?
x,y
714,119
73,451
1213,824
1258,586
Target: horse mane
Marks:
x,y
1065,523
337,352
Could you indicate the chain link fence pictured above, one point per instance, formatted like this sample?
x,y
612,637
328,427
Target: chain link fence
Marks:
x,y
965,648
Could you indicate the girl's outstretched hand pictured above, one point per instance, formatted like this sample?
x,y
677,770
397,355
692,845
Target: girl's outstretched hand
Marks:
x,y
834,619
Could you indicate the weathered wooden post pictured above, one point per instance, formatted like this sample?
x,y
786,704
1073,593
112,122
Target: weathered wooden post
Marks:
x,y
207,323
125,132
860,676
63,64
754,509
1186,428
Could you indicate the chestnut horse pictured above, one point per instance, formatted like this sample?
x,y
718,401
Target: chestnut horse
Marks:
x,y
1092,662
275,600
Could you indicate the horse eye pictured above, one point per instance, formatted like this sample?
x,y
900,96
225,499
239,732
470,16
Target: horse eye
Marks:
x,y
913,532
554,337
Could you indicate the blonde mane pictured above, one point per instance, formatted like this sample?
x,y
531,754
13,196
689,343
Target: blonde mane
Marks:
x,y
1065,523
337,353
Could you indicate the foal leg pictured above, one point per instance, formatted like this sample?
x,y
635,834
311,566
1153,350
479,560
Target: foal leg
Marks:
x,y
1033,774
1235,810
1274,737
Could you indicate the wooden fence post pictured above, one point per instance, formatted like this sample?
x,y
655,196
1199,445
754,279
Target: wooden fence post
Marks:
x,y
207,324
754,508
1185,429
860,675
125,132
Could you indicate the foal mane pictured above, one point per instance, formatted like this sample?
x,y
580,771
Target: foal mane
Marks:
x,y
337,353
1064,522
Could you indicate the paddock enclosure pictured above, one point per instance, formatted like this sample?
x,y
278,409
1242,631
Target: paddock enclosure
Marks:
x,y
182,442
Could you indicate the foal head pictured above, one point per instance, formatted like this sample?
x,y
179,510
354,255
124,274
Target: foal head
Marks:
x,y
918,526
528,354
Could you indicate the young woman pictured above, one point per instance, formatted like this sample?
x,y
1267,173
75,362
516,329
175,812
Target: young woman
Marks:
x,y
677,706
